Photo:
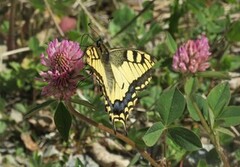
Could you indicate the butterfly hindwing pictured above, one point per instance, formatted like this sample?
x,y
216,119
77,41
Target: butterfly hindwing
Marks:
x,y
121,73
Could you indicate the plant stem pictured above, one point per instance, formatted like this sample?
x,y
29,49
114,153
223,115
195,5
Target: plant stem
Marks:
x,y
112,132
211,133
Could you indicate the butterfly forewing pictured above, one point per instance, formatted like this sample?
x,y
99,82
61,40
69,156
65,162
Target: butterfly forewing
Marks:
x,y
121,73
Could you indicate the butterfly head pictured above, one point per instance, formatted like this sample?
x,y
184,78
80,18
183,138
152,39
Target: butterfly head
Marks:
x,y
102,48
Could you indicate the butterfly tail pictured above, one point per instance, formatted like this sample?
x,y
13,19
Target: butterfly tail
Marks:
x,y
115,127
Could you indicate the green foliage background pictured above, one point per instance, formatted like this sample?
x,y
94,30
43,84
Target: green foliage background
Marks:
x,y
158,30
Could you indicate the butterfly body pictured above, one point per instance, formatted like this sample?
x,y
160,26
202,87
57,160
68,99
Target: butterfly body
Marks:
x,y
121,73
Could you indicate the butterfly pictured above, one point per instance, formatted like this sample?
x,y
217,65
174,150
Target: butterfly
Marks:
x,y
121,73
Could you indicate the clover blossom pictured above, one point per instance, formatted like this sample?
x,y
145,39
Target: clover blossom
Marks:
x,y
64,60
192,56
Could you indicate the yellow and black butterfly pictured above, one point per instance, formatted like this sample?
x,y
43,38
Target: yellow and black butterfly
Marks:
x,y
121,73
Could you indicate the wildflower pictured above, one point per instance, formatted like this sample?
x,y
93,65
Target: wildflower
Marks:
x,y
64,60
192,56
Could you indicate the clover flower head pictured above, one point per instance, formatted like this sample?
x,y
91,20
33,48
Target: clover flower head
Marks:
x,y
64,60
192,56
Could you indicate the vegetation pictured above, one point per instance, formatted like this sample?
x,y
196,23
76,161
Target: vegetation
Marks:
x,y
184,117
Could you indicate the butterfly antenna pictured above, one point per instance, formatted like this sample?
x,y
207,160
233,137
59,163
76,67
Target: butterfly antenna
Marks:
x,y
85,78
82,38
86,36
97,35
95,32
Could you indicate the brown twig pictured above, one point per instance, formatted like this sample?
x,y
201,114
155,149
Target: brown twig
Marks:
x,y
11,33
54,20
15,51
111,131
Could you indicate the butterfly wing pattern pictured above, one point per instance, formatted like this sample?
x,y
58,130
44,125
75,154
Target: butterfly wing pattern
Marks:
x,y
121,73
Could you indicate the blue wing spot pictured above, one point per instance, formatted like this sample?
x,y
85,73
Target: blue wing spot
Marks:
x,y
119,106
